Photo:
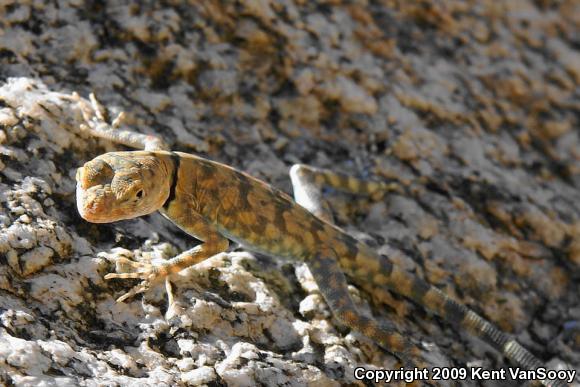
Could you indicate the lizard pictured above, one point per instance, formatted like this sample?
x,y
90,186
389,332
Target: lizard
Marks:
x,y
216,203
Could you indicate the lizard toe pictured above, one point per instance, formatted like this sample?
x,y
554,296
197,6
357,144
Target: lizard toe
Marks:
x,y
141,288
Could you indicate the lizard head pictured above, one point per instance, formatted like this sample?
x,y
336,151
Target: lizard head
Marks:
x,y
121,185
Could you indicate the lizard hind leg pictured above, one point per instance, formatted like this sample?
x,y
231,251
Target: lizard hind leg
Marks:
x,y
333,287
308,182
307,186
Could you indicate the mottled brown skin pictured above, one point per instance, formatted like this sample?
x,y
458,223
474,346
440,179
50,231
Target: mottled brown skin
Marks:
x,y
214,202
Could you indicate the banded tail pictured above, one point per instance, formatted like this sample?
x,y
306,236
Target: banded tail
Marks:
x,y
461,316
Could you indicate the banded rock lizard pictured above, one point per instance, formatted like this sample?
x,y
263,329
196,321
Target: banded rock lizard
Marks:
x,y
214,202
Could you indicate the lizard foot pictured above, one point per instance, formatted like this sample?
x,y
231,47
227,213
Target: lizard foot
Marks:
x,y
147,272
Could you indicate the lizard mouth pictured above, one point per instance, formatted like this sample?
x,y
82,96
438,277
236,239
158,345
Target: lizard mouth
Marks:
x,y
98,204
94,206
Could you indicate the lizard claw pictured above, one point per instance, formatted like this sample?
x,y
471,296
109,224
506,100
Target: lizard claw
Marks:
x,y
134,269
138,270
141,288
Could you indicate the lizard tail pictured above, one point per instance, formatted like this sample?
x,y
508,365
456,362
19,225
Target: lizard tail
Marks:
x,y
435,300
377,274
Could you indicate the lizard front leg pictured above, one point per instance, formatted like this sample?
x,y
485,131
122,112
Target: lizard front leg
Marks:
x,y
150,274
97,123
213,244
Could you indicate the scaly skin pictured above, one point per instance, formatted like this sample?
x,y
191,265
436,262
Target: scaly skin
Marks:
x,y
214,202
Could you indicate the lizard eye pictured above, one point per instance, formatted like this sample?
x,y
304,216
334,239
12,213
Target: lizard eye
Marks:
x,y
139,194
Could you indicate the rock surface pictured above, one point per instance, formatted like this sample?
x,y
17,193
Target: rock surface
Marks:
x,y
472,106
